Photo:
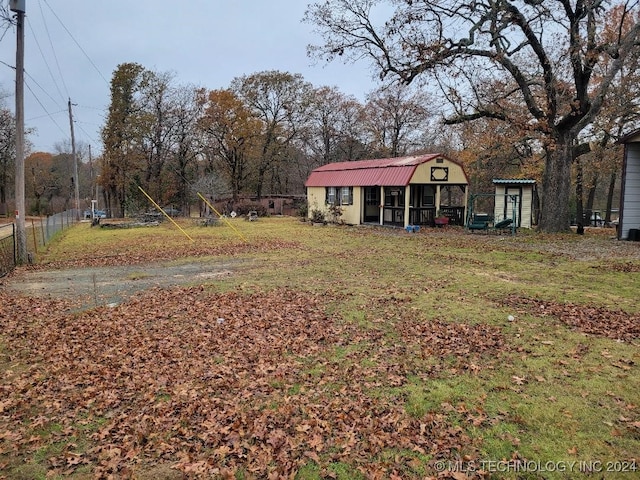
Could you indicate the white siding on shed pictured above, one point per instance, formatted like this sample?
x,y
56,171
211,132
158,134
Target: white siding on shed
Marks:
x,y
524,206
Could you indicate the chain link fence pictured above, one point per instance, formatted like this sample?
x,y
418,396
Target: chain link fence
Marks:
x,y
39,232
7,248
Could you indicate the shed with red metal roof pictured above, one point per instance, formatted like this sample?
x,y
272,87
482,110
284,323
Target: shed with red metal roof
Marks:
x,y
402,191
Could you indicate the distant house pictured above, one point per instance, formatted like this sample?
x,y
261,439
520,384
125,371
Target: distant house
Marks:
x,y
629,221
391,191
515,198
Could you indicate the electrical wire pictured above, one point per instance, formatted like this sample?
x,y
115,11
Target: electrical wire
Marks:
x,y
5,32
46,27
44,108
44,59
76,42
79,124
59,70
41,88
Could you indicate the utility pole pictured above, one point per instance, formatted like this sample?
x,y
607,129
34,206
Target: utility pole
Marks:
x,y
75,163
18,6
90,173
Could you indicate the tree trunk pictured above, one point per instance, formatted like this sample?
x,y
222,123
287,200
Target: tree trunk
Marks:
x,y
556,188
612,186
579,191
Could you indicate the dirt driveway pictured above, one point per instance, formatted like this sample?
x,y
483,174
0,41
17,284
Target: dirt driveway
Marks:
x,y
111,285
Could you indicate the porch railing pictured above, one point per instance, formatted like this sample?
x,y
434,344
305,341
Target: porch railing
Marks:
x,y
427,215
394,216
455,214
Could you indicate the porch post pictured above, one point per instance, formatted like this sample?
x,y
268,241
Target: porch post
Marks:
x,y
407,203
381,207
437,198
466,204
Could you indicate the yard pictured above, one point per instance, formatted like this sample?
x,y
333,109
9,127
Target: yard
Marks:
x,y
281,350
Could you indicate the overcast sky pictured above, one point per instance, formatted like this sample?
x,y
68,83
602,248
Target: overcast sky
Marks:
x,y
72,48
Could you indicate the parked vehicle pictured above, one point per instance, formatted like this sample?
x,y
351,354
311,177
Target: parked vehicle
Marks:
x,y
172,212
97,213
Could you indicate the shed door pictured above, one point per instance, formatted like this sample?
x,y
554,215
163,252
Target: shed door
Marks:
x,y
372,204
513,204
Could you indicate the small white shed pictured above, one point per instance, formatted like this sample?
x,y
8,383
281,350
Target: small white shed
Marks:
x,y
629,222
515,197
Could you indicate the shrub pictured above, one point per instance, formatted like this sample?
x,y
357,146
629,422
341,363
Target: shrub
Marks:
x,y
303,209
317,216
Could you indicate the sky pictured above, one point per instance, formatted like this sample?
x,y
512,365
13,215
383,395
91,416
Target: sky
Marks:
x,y
72,48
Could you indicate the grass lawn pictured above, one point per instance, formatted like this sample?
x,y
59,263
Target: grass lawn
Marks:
x,y
329,352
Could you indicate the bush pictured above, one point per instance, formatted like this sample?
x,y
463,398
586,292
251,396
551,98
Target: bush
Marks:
x,y
303,209
317,216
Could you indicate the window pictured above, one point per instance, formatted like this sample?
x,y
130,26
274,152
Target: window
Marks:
x,y
331,195
339,195
346,197
373,196
394,196
428,196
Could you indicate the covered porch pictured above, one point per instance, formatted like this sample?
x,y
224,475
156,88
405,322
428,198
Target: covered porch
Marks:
x,y
418,204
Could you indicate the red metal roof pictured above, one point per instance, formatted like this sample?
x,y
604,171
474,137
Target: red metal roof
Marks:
x,y
385,172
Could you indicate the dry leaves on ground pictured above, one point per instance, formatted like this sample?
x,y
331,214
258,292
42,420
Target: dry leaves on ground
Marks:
x,y
214,383
594,320
139,253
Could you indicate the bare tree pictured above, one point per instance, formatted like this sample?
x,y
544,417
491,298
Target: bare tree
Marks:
x,y
396,117
538,58
334,122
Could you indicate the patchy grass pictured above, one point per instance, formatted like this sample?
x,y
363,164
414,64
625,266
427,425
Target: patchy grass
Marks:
x,y
343,352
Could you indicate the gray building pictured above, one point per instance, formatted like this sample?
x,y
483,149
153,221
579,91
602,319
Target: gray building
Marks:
x,y
629,222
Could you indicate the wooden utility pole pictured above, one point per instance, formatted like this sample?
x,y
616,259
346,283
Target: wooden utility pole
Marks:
x,y
18,6
75,164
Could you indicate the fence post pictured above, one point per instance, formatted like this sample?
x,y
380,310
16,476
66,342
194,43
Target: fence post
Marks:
x,y
35,239
15,246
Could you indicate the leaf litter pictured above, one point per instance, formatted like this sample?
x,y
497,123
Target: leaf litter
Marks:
x,y
212,384
590,319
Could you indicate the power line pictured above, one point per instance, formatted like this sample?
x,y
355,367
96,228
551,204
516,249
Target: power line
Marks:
x,y
9,25
44,58
91,139
55,57
43,108
49,69
41,88
76,42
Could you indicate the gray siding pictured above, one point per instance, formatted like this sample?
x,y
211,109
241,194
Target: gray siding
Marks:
x,y
631,198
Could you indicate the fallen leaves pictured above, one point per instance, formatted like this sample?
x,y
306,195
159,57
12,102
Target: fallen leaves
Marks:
x,y
594,320
139,253
160,380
